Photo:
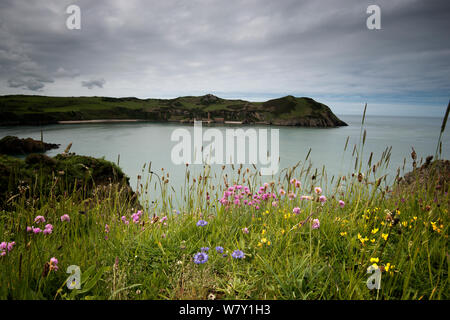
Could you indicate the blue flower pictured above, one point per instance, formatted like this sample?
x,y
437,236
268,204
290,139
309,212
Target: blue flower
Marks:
x,y
201,223
204,249
238,254
200,257
219,249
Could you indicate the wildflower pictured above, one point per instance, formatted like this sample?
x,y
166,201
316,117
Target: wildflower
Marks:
x,y
388,266
374,231
53,264
3,245
211,296
322,199
291,196
362,239
39,219
204,249
296,210
316,224
3,253
305,198
200,257
341,203
376,260
65,217
318,190
36,230
344,233
163,219
281,192
263,240
201,223
245,230
219,249
29,229
264,231
238,254
106,228
274,204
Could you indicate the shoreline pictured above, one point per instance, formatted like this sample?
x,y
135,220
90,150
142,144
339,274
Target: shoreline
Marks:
x,y
98,121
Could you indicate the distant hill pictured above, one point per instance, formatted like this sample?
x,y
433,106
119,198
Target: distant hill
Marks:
x,y
289,110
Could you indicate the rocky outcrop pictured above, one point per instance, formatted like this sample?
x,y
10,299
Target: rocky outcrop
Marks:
x,y
14,146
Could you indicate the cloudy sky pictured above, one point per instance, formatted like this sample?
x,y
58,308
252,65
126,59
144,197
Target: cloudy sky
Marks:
x,y
252,49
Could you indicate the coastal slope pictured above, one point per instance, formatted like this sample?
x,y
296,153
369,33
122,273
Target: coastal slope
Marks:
x,y
285,111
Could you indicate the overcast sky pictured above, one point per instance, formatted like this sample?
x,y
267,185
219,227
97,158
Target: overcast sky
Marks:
x,y
252,49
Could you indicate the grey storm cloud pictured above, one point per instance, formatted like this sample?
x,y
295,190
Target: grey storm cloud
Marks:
x,y
93,83
245,49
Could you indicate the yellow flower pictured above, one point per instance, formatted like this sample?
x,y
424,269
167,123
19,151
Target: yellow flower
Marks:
x,y
404,223
282,231
375,265
375,230
372,240
384,236
376,260
264,231
387,266
382,223
263,240
268,243
343,234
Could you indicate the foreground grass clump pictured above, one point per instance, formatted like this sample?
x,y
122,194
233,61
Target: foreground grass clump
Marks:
x,y
283,239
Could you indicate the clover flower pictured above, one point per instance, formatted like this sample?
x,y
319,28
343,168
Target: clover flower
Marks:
x,y
296,210
65,217
341,203
200,257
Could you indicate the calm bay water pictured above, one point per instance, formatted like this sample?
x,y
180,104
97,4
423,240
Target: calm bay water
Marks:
x,y
142,142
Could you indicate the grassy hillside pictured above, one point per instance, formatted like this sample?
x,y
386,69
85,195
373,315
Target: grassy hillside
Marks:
x,y
289,110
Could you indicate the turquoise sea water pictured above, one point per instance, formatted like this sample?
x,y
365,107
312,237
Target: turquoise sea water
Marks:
x,y
142,142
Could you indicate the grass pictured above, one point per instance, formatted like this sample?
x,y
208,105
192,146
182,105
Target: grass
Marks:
x,y
401,229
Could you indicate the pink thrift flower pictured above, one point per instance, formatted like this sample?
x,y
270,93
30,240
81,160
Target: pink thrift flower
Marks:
x,y
298,184
316,224
163,219
11,245
292,196
322,199
281,192
293,181
53,264
296,210
39,219
318,190
305,198
274,204
36,230
3,253
3,245
65,217
341,203
29,229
